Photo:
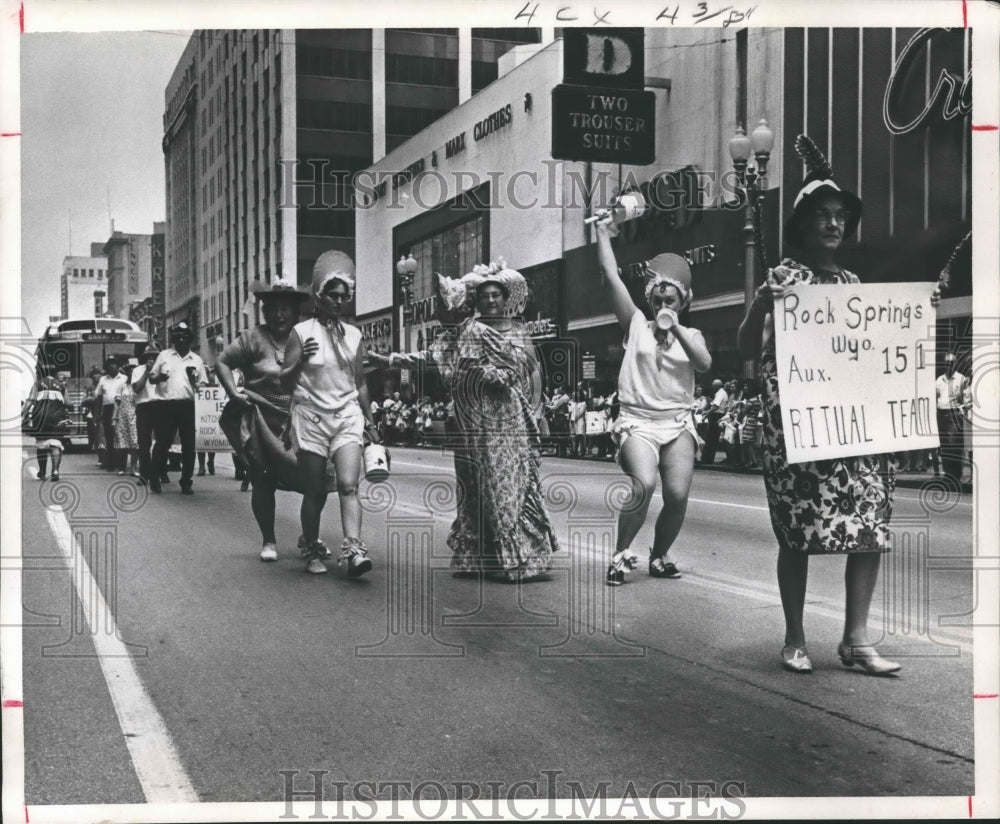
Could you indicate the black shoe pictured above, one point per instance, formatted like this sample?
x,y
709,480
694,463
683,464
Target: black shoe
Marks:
x,y
187,490
245,486
615,577
659,569
164,478
201,473
154,485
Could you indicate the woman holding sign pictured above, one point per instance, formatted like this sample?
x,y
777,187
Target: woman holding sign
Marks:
x,y
655,428
837,506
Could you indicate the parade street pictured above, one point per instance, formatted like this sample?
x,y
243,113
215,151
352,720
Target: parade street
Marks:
x,y
246,675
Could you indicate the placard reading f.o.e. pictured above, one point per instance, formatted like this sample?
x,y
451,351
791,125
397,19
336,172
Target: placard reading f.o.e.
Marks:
x,y
208,405
856,369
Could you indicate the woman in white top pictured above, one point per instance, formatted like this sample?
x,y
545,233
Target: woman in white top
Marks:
x,y
655,427
330,407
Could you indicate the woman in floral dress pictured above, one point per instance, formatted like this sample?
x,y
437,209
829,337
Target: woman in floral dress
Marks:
x,y
491,369
126,431
839,506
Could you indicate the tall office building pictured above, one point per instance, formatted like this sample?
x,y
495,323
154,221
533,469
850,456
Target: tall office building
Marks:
x,y
263,131
81,278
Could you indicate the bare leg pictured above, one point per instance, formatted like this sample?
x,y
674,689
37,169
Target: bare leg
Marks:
x,y
313,469
347,461
793,571
860,577
676,471
263,506
639,463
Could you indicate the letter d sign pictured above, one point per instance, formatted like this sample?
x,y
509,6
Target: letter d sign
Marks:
x,y
607,55
612,57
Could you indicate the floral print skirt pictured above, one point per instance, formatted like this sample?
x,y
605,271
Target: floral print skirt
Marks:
x,y
820,507
502,526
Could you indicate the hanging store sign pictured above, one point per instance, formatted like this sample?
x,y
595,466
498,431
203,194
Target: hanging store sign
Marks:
x,y
611,57
603,125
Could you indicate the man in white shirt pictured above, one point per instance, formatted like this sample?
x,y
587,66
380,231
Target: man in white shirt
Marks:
x,y
176,374
953,402
145,409
716,412
107,390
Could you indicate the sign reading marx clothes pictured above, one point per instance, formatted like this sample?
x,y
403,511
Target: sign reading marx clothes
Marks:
x,y
856,369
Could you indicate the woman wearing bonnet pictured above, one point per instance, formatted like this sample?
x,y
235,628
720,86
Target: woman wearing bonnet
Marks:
x,y
491,369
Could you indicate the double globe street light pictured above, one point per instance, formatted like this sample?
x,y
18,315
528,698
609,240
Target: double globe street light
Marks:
x,y
406,266
753,185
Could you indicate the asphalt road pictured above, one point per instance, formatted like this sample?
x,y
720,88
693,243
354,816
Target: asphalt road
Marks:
x,y
410,674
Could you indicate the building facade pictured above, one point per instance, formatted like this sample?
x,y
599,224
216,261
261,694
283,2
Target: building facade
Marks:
x,y
82,279
130,277
481,182
264,131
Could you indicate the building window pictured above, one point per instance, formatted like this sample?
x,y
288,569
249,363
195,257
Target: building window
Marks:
x,y
408,120
483,73
350,64
423,71
510,35
335,116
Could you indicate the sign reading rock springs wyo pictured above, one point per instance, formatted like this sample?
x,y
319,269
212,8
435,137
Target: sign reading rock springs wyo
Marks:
x,y
603,125
856,369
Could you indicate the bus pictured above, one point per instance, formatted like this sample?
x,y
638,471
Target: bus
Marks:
x,y
70,350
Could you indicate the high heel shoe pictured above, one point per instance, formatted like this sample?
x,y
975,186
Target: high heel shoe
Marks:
x,y
796,659
866,658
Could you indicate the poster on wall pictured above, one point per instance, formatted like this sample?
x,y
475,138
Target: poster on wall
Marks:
x,y
856,369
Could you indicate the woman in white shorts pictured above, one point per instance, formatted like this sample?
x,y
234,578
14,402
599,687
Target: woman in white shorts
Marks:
x,y
655,428
330,407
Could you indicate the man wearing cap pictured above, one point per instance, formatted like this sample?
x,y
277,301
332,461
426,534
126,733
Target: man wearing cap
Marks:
x,y
176,374
105,393
145,409
330,406
953,401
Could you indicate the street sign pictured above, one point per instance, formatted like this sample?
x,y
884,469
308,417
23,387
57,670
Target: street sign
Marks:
x,y
610,57
603,125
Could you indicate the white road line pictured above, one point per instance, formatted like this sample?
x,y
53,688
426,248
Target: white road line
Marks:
x,y
154,756
755,590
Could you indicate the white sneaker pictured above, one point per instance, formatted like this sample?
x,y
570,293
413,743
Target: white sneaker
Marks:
x,y
269,553
354,553
315,566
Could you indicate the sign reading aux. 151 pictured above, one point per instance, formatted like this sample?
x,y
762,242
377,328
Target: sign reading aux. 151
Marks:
x,y
603,125
855,369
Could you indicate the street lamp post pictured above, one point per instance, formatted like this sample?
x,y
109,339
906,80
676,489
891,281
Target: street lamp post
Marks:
x,y
753,183
405,268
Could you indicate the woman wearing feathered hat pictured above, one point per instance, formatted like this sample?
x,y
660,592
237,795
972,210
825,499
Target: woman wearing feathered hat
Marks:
x,y
839,506
491,368
258,409
330,410
655,428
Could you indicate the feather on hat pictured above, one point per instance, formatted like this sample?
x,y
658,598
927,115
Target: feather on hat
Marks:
x,y
819,182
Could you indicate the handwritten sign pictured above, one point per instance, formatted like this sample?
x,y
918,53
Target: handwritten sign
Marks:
x,y
856,369
208,404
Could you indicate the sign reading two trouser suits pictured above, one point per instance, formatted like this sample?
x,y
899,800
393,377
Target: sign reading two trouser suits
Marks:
x,y
856,369
208,404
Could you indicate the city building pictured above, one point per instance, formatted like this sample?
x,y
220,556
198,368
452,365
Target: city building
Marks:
x,y
149,313
83,284
264,131
481,183
130,271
